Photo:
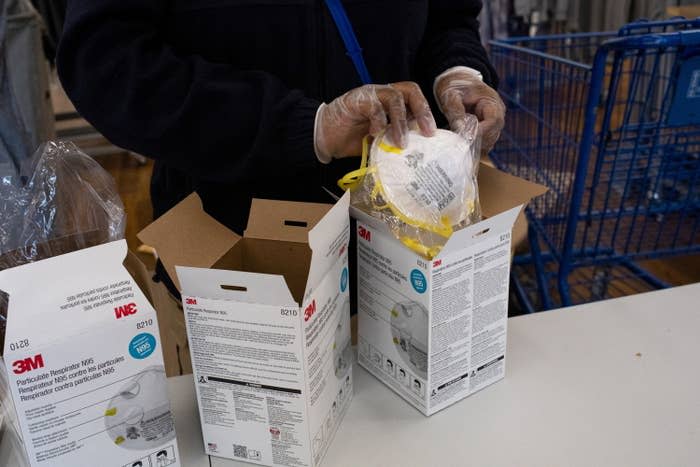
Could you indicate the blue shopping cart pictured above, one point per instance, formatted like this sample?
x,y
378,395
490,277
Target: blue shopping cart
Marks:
x,y
610,122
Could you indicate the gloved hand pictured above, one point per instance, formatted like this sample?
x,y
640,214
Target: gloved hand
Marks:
x,y
460,91
370,109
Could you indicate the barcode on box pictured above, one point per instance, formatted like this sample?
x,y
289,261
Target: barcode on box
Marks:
x,y
240,451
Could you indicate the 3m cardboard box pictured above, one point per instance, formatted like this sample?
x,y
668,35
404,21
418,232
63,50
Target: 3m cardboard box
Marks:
x,y
268,324
83,371
435,331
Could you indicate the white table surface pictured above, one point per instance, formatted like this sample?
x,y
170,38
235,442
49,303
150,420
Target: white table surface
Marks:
x,y
575,394
614,383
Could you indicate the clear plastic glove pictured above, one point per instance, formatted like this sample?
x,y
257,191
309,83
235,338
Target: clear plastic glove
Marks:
x,y
461,91
370,109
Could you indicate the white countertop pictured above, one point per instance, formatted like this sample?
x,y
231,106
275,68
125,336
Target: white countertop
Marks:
x,y
607,384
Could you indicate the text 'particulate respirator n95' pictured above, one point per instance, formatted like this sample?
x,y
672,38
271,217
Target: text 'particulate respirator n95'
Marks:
x,y
423,192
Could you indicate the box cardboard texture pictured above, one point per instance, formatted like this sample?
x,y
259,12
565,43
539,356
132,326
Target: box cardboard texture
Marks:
x,y
435,331
268,324
83,374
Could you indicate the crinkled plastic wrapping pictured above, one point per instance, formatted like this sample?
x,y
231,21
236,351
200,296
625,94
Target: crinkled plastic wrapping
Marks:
x,y
424,192
61,201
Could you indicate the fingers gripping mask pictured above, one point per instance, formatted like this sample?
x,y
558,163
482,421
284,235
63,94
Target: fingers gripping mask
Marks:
x,y
423,192
409,329
139,417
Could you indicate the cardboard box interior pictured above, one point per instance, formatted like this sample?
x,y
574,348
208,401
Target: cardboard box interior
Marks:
x,y
275,241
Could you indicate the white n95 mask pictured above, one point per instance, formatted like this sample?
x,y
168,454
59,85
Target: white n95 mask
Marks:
x,y
409,331
425,191
139,417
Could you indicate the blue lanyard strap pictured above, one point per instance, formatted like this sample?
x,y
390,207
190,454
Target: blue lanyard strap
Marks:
x,y
351,45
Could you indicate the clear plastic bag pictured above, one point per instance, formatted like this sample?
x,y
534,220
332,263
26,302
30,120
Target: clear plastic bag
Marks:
x,y
60,201
424,192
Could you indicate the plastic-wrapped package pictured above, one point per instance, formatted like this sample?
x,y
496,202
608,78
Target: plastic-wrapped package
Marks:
x,y
423,192
59,201
62,200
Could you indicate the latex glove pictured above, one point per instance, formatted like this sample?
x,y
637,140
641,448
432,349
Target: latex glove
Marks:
x,y
370,109
461,90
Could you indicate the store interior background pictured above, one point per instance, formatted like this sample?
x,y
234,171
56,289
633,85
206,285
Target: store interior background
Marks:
x,y
499,18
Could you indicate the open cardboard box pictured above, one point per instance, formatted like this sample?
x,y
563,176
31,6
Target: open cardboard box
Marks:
x,y
267,318
278,240
80,353
435,331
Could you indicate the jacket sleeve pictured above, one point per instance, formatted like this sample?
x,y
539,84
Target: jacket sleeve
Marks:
x,y
452,39
210,120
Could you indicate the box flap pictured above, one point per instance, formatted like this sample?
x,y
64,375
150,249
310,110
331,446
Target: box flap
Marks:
x,y
140,274
246,287
47,298
481,231
329,241
288,221
188,236
499,191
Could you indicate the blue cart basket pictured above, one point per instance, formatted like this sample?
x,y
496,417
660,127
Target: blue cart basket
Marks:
x,y
610,123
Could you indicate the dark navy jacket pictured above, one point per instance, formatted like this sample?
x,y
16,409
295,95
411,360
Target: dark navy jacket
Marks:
x,y
223,93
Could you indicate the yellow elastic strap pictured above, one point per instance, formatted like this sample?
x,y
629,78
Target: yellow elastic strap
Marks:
x,y
388,147
111,412
352,180
444,229
426,251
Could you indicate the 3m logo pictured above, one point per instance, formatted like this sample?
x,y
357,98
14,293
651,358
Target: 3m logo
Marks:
x,y
310,310
28,364
125,310
190,301
364,233
437,263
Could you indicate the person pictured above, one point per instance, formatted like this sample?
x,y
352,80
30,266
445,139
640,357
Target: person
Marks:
x,y
228,96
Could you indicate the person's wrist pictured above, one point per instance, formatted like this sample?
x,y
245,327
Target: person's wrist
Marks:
x,y
319,147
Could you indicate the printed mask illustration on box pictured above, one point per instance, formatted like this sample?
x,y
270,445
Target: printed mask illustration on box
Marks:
x,y
409,329
342,350
139,417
